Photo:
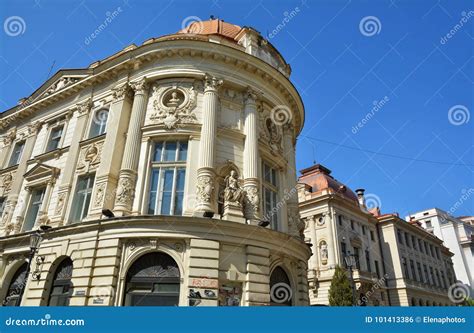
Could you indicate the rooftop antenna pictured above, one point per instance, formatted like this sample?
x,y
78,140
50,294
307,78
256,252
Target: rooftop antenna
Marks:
x,y
50,69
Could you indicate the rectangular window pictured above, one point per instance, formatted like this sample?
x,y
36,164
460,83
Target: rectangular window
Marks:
x,y
420,273
82,198
357,257
443,281
168,173
352,225
428,224
438,283
399,236
426,248
36,199
343,252
437,253
372,235
412,269
432,250
413,242
420,245
339,219
377,269
405,268
270,195
55,138
16,153
363,230
426,276
432,276
99,123
407,239
367,260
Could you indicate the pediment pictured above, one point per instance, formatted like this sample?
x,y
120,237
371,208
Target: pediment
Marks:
x,y
40,171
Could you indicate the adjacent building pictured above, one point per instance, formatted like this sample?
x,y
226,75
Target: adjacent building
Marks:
x,y
422,267
457,234
158,176
338,224
396,262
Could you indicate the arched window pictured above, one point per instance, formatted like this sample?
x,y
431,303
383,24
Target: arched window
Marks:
x,y
420,302
12,298
413,302
61,289
99,123
281,292
153,280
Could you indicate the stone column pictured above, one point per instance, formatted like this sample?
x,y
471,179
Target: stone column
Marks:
x,y
17,181
82,109
295,225
128,171
108,171
206,184
251,181
333,244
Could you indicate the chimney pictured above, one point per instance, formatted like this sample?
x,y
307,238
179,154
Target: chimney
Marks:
x,y
360,196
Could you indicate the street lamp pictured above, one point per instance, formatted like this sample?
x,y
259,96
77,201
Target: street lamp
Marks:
x,y
350,262
35,239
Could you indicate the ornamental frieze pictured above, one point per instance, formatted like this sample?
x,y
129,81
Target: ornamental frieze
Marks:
x,y
89,158
270,132
174,104
60,84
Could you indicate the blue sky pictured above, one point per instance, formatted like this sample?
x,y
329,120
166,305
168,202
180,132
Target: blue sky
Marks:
x,y
423,85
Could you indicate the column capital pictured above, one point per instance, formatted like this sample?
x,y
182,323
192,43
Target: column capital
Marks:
x,y
9,137
251,95
34,128
121,92
83,107
140,86
212,83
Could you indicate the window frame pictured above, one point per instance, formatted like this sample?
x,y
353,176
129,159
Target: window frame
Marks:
x,y
88,191
272,186
20,154
26,220
162,166
92,122
52,127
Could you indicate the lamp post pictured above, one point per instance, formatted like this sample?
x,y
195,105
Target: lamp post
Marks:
x,y
35,239
350,262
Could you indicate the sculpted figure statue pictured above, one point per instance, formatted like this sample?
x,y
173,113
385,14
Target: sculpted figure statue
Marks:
x,y
233,192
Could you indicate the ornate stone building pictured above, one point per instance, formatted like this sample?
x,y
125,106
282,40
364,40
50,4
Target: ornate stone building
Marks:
x,y
395,262
338,225
159,176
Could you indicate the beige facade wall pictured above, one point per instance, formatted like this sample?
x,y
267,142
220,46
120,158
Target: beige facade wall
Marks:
x,y
135,87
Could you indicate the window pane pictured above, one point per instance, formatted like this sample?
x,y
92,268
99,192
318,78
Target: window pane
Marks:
x,y
183,151
167,191
170,151
16,154
35,204
55,137
178,201
157,152
155,173
82,198
99,123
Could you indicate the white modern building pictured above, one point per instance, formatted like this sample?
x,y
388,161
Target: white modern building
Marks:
x,y
159,176
457,235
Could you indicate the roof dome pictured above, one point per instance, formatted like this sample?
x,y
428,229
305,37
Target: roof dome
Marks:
x,y
212,27
319,179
